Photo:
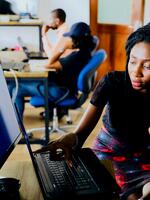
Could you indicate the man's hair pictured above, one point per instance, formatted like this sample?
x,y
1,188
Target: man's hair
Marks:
x,y
140,35
60,13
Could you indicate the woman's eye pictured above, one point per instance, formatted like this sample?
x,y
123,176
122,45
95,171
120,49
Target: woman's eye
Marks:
x,y
132,62
147,67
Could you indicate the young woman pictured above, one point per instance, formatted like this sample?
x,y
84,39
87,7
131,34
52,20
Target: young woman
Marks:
x,y
124,137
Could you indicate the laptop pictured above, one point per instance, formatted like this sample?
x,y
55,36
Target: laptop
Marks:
x,y
86,179
10,133
31,55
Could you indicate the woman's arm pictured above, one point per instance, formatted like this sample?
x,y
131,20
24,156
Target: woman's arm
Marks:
x,y
75,140
57,52
88,123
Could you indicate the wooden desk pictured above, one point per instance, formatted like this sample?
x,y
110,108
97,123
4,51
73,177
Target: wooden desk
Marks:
x,y
36,74
19,166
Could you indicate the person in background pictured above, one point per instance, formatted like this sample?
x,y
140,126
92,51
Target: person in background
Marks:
x,y
125,135
67,67
57,22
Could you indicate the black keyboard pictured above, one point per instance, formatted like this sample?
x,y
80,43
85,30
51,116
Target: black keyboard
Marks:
x,y
65,178
86,179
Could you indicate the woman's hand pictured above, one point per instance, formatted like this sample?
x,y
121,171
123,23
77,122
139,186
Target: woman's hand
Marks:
x,y
66,143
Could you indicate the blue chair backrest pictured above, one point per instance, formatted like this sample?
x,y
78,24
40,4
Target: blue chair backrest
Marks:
x,y
85,79
96,42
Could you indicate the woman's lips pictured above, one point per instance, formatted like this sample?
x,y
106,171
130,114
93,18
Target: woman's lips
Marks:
x,y
137,84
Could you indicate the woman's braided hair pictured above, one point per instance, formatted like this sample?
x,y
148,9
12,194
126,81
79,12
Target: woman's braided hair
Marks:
x,y
140,35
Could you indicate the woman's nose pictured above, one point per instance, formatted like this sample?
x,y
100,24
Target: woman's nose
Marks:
x,y
138,70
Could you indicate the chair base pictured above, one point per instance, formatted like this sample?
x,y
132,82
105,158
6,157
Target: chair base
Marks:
x,y
55,128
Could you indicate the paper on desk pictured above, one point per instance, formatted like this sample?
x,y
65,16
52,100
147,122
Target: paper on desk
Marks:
x,y
38,65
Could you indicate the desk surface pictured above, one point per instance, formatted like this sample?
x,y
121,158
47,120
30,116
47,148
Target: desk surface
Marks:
x,y
19,166
31,74
36,70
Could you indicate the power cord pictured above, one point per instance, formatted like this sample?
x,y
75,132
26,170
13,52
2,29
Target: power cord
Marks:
x,y
14,94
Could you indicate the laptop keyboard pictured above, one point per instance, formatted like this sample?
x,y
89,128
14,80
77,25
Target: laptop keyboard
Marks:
x,y
66,178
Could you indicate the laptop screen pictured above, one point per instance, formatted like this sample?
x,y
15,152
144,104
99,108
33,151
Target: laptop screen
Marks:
x,y
9,129
23,46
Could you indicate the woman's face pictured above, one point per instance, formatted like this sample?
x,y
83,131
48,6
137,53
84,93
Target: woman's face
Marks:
x,y
139,67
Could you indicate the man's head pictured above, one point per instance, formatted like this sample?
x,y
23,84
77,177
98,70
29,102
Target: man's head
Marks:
x,y
138,58
57,17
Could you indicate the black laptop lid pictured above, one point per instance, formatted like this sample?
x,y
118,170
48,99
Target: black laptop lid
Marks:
x,y
9,129
22,128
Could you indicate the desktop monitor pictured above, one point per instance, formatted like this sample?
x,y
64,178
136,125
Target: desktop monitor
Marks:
x,y
10,133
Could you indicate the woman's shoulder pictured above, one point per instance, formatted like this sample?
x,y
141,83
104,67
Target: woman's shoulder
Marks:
x,y
112,80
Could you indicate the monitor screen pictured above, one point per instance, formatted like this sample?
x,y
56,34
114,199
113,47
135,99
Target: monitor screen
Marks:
x,y
10,133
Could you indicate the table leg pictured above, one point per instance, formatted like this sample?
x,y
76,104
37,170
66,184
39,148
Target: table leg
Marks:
x,y
46,112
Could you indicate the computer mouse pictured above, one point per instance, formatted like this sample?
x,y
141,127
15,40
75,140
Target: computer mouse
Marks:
x,y
9,188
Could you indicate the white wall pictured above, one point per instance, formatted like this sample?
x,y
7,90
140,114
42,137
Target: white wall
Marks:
x,y
147,12
76,10
29,35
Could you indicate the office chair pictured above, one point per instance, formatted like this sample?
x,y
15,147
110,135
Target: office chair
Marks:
x,y
96,42
84,84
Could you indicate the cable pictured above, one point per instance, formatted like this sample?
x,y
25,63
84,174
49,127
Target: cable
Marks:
x,y
14,94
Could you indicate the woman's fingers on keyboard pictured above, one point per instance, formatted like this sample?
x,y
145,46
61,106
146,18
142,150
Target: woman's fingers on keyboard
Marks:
x,y
58,151
48,147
